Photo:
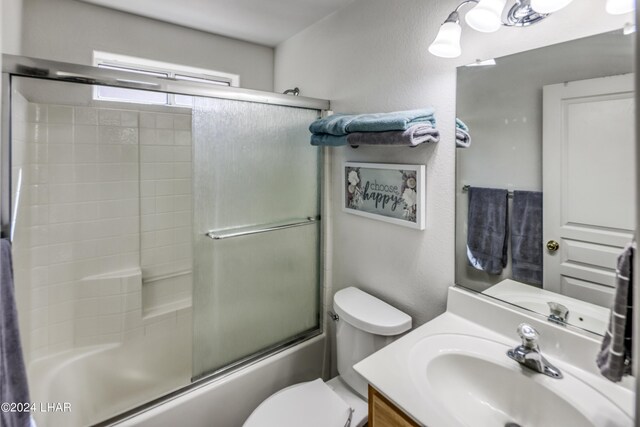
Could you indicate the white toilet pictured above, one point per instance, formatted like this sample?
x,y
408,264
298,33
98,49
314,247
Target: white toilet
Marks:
x,y
365,325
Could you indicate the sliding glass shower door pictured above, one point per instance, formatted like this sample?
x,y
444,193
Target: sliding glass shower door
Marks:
x,y
256,230
155,244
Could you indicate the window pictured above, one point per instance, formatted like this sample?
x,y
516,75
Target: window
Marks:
x,y
149,67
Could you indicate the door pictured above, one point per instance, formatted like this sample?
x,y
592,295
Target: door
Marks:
x,y
588,184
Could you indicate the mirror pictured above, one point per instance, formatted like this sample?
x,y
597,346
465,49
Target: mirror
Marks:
x,y
551,132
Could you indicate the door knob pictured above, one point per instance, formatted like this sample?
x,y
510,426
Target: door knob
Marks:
x,y
553,246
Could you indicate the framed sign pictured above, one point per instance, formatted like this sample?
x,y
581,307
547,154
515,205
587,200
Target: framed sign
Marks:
x,y
386,192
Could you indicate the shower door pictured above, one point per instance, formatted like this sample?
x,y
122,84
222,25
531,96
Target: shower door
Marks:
x,y
256,230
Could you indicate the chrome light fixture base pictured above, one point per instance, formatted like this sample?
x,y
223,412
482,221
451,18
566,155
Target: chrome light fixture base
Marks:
x,y
522,15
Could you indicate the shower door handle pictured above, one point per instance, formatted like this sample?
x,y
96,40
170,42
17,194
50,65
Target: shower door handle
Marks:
x,y
246,231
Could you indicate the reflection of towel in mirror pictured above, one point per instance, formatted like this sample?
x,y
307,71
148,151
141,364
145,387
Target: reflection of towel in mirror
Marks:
x,y
463,139
526,237
461,125
13,376
614,359
487,229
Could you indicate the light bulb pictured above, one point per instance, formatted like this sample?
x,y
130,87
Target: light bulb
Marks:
x,y
486,16
549,6
447,42
619,7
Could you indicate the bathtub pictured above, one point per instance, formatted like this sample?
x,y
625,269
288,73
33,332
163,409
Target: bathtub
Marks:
x,y
127,354
228,401
102,381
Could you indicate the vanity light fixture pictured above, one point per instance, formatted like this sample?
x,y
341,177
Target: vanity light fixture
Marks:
x,y
549,6
447,42
487,16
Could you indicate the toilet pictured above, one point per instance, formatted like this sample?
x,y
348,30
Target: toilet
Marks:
x,y
365,324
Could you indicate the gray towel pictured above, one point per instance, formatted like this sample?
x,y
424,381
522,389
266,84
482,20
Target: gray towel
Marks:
x,y
487,229
614,359
463,139
526,237
13,376
411,137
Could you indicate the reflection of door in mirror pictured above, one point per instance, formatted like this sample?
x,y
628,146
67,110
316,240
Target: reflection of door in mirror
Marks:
x,y
588,184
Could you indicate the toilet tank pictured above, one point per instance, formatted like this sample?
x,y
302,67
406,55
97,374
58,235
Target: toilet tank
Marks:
x,y
365,325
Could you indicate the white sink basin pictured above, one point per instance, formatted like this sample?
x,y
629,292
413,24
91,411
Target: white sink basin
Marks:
x,y
475,384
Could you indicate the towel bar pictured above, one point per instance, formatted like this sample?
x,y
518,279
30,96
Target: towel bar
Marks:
x,y
256,229
465,188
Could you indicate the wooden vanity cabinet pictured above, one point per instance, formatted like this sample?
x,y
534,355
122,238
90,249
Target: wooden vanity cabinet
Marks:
x,y
383,413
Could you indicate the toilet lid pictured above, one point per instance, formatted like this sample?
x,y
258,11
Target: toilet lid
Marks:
x,y
311,404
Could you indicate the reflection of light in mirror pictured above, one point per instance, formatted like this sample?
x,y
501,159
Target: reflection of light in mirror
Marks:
x,y
480,63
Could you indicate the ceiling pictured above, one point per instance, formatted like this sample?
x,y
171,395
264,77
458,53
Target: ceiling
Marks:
x,y
266,22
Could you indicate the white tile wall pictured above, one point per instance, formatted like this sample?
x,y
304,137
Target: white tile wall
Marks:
x,y
165,190
105,193
27,299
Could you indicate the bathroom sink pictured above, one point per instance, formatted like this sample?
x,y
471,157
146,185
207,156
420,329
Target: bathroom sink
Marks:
x,y
474,383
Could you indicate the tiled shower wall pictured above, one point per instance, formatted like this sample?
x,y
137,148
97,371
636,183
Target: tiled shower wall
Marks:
x,y
20,227
165,191
104,222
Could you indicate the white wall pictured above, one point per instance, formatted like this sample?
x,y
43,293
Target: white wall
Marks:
x,y
69,31
11,26
372,56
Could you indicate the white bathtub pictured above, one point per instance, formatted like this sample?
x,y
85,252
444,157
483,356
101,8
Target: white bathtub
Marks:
x,y
104,380
228,401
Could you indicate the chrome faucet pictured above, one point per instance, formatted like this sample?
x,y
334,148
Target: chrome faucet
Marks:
x,y
528,354
558,313
295,91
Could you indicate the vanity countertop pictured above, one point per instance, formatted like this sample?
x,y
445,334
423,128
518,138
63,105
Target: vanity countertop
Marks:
x,y
573,352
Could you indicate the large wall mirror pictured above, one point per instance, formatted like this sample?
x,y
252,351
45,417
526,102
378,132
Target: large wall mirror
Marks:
x,y
545,176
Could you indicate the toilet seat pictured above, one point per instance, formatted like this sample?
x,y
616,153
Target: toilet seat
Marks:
x,y
310,404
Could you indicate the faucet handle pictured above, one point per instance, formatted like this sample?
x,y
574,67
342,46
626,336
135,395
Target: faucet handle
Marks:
x,y
529,335
558,311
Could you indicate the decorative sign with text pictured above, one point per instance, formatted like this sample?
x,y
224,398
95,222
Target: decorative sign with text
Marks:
x,y
386,192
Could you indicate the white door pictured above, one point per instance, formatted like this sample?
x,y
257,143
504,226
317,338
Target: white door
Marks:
x,y
588,184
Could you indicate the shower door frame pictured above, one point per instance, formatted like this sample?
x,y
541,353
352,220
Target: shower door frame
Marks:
x,y
43,69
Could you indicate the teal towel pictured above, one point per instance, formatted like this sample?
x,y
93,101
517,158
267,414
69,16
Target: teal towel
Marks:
x,y
328,140
342,124
461,125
